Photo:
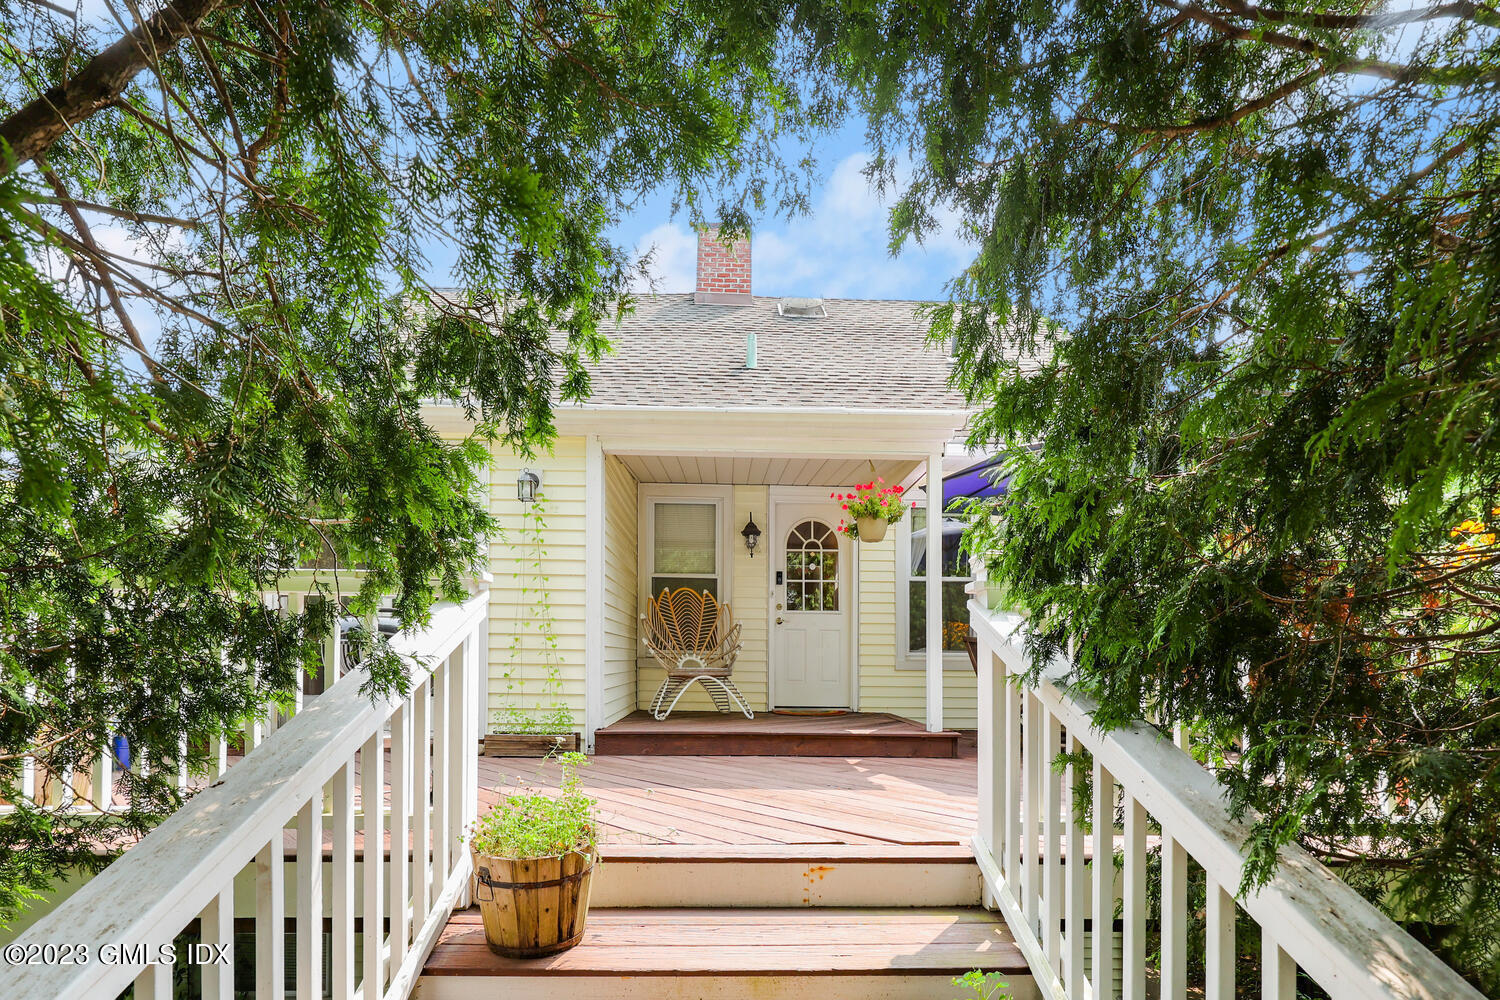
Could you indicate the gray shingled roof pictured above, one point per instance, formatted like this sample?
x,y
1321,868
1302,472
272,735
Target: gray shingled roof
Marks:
x,y
865,354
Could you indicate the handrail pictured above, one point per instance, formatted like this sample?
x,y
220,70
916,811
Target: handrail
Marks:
x,y
1031,841
186,867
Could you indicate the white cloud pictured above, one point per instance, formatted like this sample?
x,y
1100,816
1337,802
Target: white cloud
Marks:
x,y
839,250
674,257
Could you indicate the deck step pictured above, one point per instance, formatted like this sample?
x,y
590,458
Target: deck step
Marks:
x,y
716,954
787,876
855,734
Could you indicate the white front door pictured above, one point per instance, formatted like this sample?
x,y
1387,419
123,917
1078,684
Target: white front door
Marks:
x,y
810,609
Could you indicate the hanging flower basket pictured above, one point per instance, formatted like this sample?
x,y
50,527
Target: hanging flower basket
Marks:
x,y
869,508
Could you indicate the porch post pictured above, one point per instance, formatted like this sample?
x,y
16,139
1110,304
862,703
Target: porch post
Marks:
x,y
594,500
935,591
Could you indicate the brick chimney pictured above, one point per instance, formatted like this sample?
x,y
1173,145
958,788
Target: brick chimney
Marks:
x,y
723,270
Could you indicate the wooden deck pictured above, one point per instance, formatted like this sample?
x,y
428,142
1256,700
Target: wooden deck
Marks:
x,y
765,877
851,734
765,800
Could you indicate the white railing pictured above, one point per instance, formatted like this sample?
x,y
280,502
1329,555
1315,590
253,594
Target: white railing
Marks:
x,y
321,770
1060,907
96,788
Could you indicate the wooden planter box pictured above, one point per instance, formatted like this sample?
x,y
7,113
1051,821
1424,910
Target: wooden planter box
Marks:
x,y
528,744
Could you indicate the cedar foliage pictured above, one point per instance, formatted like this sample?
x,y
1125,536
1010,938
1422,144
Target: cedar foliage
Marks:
x,y
1254,250
216,332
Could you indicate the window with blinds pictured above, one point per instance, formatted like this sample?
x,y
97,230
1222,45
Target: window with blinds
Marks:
x,y
684,546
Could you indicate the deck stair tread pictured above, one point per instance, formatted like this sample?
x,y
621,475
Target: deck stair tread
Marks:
x,y
751,942
802,853
872,734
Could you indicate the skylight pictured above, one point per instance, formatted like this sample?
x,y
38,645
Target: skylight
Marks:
x,y
801,309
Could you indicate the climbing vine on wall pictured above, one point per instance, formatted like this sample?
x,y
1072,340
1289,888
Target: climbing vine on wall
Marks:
x,y
534,698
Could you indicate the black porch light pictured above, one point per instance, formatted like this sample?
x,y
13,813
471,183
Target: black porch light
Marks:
x,y
752,535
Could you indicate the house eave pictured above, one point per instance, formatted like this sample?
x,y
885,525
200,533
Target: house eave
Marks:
x,y
805,431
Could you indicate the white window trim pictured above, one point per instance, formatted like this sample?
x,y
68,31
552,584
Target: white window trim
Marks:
x,y
906,659
722,497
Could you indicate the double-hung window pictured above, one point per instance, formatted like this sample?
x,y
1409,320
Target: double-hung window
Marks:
x,y
683,539
955,576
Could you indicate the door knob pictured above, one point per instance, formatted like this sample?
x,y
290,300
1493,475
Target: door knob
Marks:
x,y
778,619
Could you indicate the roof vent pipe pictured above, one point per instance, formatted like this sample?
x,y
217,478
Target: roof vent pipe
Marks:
x,y
749,350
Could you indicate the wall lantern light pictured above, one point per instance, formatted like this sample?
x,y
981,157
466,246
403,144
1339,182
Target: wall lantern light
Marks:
x,y
527,483
752,535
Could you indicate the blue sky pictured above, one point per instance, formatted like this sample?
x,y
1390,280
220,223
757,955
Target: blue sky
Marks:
x,y
836,251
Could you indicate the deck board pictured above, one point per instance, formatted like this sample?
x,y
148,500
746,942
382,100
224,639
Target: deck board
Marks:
x,y
764,801
769,942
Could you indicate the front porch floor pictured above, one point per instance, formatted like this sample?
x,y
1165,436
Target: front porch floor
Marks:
x,y
753,800
849,734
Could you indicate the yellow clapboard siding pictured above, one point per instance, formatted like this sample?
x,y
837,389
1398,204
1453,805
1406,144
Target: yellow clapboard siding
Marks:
x,y
520,657
620,545
884,686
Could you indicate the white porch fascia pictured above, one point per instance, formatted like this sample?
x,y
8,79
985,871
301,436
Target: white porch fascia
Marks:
x,y
765,432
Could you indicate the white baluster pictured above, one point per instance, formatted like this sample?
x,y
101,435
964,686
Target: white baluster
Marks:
x,y
310,898
216,930
341,811
1135,900
1052,886
255,730
182,763
1012,860
28,778
29,790
372,803
1031,803
422,833
991,752
1173,918
461,754
154,983
442,783
295,604
1277,970
1104,882
1218,959
400,869
477,656
103,779
1077,875
270,919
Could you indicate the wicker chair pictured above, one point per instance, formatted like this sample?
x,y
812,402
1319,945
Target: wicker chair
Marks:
x,y
694,638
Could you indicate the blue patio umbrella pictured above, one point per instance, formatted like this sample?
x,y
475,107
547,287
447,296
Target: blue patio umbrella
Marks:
x,y
980,480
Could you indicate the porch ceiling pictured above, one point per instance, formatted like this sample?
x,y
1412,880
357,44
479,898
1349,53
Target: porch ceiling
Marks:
x,y
830,472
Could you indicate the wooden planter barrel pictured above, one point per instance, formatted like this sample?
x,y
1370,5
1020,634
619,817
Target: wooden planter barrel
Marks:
x,y
534,907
